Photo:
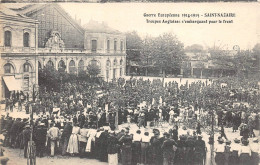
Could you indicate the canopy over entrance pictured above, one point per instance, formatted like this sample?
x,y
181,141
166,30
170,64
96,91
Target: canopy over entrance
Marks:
x,y
12,84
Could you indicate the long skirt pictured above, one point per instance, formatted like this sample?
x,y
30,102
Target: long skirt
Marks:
x,y
112,159
136,152
73,145
144,152
255,158
244,159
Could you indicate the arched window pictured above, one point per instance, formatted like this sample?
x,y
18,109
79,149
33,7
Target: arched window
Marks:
x,y
26,36
115,63
81,65
8,38
50,64
72,68
8,68
27,67
61,64
94,62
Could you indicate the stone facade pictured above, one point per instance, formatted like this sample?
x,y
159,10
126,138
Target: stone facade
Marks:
x,y
18,50
54,38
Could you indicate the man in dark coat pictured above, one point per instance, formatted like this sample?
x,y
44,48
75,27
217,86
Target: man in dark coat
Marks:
x,y
112,148
190,150
200,150
156,143
81,120
126,149
8,127
40,139
168,148
14,131
103,139
26,138
65,137
181,150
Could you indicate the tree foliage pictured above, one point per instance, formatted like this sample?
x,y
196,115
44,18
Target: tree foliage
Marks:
x,y
93,70
133,46
195,48
164,51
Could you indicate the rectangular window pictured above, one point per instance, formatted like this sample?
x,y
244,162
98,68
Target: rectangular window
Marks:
x,y
115,45
94,45
8,36
26,39
108,46
121,46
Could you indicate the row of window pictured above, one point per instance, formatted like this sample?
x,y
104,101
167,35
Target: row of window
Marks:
x,y
9,68
94,45
8,39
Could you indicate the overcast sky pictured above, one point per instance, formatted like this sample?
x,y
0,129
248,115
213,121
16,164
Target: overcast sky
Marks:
x,y
245,30
129,16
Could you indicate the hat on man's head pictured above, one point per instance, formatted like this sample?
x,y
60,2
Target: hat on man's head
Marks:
x,y
255,140
220,140
236,140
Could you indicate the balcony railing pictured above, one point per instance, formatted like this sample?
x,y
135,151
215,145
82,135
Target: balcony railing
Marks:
x,y
11,49
50,50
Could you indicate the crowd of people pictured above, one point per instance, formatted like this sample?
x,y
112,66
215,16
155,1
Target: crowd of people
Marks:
x,y
82,120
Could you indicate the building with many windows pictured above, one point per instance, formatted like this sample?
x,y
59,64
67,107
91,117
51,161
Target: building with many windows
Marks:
x,y
44,34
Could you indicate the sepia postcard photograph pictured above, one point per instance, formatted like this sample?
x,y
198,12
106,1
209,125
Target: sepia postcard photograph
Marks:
x,y
129,83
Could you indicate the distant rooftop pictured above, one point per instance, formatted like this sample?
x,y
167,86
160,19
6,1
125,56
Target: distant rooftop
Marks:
x,y
96,27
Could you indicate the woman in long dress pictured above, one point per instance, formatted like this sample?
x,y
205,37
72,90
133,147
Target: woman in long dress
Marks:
x,y
73,145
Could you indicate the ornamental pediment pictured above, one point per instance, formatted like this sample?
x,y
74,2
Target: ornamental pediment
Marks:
x,y
55,41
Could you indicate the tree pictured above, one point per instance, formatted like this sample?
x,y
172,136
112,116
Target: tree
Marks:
x,y
49,78
242,62
195,48
165,52
93,70
133,46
